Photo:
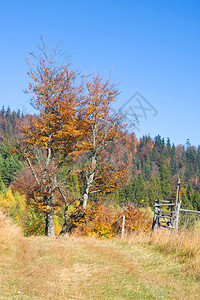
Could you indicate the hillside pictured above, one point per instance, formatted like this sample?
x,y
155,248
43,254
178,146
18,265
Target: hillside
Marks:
x,y
86,268
154,165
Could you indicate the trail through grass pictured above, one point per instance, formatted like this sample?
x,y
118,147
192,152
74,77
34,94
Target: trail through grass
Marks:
x,y
87,268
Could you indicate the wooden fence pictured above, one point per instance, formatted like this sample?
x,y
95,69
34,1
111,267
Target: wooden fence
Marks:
x,y
167,213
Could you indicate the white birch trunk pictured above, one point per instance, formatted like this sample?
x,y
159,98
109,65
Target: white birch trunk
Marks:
x,y
90,176
89,181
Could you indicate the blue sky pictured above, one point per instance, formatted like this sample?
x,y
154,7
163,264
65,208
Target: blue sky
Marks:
x,y
152,47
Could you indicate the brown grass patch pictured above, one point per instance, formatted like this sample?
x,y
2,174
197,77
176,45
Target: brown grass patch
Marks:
x,y
183,248
139,267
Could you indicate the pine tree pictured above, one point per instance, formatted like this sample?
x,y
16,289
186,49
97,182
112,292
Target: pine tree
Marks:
x,y
196,201
186,203
165,179
155,191
190,192
140,191
5,172
173,163
2,185
168,148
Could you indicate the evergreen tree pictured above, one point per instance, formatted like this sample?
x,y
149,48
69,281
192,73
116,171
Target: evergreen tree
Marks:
x,y
173,163
136,163
155,191
2,185
190,192
196,201
5,172
1,163
3,151
140,191
159,143
8,113
186,203
165,179
126,195
9,165
168,148
3,112
155,154
142,161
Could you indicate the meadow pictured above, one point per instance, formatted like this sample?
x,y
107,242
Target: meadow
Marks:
x,y
158,266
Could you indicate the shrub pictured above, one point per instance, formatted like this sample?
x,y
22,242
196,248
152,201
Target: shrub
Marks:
x,y
136,220
33,221
13,204
104,222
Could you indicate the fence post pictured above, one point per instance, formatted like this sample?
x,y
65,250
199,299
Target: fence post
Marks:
x,y
178,191
123,225
177,207
177,216
155,217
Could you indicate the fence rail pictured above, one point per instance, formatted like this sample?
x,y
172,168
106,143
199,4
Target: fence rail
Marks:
x,y
169,218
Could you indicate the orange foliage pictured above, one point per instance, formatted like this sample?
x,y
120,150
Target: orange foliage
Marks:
x,y
104,222
104,168
50,136
57,99
136,220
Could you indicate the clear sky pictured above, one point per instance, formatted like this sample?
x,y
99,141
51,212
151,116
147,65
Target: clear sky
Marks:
x,y
152,47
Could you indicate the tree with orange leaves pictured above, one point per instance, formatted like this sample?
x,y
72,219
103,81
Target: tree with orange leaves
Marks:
x,y
104,169
74,120
51,135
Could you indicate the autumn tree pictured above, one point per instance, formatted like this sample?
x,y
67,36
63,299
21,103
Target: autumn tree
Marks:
x,y
51,134
104,168
73,121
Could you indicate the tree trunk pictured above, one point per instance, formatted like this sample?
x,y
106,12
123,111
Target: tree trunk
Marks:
x,y
65,227
90,177
89,180
50,229
85,199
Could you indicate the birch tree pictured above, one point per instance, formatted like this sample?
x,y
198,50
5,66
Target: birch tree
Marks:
x,y
52,133
104,168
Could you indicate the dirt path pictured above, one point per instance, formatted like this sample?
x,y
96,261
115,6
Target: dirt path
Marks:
x,y
85,268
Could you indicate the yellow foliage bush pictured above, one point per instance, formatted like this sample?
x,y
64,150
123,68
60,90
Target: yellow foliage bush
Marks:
x,y
104,222
58,228
7,199
12,204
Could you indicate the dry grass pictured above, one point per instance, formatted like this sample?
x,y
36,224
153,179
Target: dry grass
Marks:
x,y
183,247
87,268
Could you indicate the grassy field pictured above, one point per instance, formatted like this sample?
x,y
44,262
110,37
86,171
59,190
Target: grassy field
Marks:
x,y
141,267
